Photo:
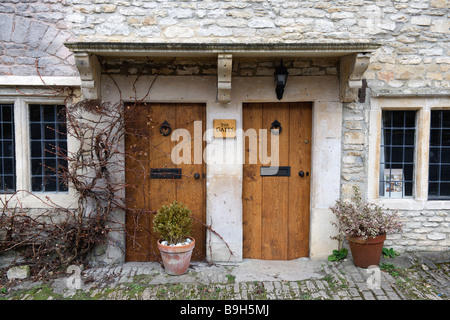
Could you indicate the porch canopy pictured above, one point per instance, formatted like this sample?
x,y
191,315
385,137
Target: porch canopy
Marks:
x,y
354,59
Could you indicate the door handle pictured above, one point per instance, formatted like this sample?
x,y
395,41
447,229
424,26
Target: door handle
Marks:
x,y
196,176
302,174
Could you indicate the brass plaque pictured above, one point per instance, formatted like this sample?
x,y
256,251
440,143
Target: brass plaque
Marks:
x,y
224,128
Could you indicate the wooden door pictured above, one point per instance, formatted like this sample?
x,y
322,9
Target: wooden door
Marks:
x,y
276,208
149,150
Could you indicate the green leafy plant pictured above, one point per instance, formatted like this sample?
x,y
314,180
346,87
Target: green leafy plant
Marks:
x,y
390,268
390,253
338,255
173,223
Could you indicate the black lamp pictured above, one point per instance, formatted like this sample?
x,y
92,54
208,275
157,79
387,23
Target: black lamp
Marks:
x,y
281,75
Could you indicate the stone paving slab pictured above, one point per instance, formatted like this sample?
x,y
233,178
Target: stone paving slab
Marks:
x,y
423,276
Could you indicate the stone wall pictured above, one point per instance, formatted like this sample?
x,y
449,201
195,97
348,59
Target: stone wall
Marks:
x,y
414,33
33,32
242,67
423,230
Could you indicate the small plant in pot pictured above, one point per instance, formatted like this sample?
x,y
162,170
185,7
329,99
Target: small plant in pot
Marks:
x,y
365,225
173,223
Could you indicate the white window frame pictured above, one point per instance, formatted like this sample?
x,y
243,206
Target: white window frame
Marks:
x,y
423,107
26,198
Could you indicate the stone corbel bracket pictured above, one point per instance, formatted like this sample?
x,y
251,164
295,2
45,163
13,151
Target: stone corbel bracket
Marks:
x,y
352,68
224,70
89,69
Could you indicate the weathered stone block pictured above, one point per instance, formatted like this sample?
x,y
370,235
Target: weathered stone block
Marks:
x,y
354,138
6,23
440,26
421,21
20,272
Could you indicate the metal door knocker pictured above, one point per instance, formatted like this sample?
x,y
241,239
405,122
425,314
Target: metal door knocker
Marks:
x,y
276,125
165,128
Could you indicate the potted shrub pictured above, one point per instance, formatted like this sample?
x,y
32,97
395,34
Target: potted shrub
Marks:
x,y
365,225
173,223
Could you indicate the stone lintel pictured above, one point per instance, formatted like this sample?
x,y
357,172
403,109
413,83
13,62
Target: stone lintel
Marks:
x,y
136,49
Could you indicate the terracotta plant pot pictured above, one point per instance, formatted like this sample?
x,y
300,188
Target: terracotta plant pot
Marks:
x,y
176,259
366,252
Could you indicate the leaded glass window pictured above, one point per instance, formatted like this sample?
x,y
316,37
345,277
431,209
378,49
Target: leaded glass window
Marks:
x,y
439,159
7,149
48,139
397,153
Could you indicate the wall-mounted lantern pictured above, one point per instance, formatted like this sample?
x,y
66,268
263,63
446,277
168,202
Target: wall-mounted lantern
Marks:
x,y
281,75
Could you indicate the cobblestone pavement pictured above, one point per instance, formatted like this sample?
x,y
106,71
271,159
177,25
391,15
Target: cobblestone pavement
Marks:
x,y
418,276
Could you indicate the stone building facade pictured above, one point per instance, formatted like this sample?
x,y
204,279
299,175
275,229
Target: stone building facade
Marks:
x,y
358,62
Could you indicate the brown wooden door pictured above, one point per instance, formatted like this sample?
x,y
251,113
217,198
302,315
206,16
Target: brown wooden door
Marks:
x,y
276,208
147,148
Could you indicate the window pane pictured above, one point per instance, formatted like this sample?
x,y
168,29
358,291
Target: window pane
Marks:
x,y
397,137
385,154
410,119
36,183
49,149
387,119
446,137
439,168
7,149
45,160
50,184
398,119
387,133
35,113
408,189
445,158
49,113
445,190
36,151
435,137
446,119
445,173
35,131
49,131
433,174
397,155
433,189
409,154
7,113
36,167
435,155
409,137
62,145
7,131
49,166
8,165
408,172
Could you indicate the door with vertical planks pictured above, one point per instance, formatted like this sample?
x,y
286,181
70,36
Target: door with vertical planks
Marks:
x,y
154,179
276,207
